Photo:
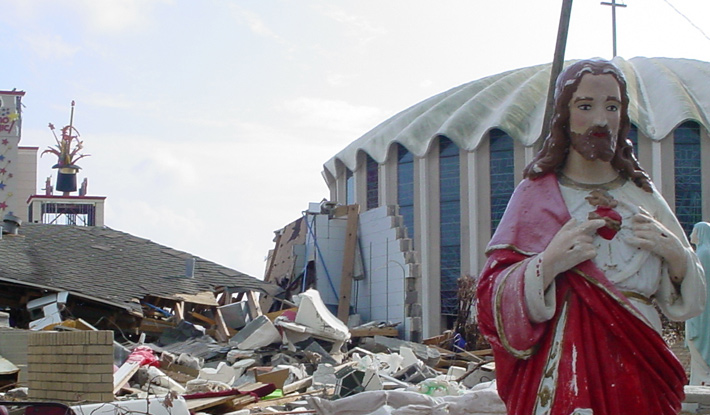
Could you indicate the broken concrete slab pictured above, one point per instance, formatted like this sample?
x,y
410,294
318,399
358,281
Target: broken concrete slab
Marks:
x,y
240,366
259,332
236,315
483,373
428,355
222,373
324,375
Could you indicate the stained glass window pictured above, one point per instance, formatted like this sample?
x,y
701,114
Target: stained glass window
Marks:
x,y
502,174
450,216
373,183
688,175
405,188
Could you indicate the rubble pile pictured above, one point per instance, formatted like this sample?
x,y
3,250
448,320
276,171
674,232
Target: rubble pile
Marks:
x,y
298,360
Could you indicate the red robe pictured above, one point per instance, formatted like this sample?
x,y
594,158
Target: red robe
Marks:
x,y
597,351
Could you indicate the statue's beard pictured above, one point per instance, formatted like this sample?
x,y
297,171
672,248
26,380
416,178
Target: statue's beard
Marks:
x,y
597,143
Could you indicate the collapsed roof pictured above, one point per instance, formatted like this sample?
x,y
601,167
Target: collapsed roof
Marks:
x,y
110,267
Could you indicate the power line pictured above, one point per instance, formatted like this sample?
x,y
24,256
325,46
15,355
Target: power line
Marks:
x,y
686,18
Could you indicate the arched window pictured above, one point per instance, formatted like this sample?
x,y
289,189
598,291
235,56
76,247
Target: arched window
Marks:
x,y
688,175
349,187
373,183
450,224
502,174
405,188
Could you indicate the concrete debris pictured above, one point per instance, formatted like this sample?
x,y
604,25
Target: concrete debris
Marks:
x,y
258,333
297,360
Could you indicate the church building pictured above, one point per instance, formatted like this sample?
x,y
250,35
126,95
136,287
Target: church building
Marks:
x,y
451,162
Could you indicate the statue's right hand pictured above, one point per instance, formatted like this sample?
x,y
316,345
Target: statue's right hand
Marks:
x,y
573,244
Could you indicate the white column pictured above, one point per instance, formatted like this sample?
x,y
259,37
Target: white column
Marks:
x,y
426,212
656,164
471,209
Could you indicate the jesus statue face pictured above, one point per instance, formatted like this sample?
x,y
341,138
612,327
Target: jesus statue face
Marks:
x,y
594,117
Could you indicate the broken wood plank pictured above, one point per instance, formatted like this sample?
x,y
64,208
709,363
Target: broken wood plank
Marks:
x,y
222,329
180,310
297,385
374,331
124,374
151,325
199,404
346,277
239,397
202,318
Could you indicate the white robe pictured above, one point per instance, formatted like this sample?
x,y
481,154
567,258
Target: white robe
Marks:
x,y
630,269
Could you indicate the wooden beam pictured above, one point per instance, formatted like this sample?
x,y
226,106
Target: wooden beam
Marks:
x,y
346,277
180,310
374,331
254,308
222,329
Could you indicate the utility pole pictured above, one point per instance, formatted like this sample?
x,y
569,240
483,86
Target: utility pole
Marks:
x,y
613,5
557,63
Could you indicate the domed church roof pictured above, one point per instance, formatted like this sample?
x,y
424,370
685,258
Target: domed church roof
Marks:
x,y
664,92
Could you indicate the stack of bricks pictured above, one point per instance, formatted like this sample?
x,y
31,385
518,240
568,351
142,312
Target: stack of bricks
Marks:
x,y
71,367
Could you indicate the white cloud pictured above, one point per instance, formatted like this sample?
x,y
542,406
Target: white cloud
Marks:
x,y
49,47
255,23
356,26
116,15
339,79
119,101
334,115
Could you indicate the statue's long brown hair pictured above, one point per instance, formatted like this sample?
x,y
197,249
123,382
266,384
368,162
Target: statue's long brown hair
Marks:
x,y
554,150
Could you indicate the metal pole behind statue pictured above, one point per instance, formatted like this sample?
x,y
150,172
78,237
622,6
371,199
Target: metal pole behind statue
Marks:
x,y
557,63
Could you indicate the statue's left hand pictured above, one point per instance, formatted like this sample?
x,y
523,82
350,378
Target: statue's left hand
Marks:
x,y
653,236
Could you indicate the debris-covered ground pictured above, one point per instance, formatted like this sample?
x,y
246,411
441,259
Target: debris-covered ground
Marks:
x,y
298,360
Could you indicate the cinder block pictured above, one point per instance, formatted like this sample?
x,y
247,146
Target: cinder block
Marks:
x,y
99,369
98,387
411,297
416,324
103,349
72,359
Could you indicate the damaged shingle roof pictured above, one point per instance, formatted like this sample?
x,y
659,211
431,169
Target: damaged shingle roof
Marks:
x,y
109,266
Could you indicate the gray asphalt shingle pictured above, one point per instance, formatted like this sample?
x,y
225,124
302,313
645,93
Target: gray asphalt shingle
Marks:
x,y
109,265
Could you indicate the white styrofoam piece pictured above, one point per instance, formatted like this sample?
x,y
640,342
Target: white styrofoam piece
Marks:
x,y
313,313
222,373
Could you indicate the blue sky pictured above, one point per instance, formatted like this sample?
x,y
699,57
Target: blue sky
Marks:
x,y
208,121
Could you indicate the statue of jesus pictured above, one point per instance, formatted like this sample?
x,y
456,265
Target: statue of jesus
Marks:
x,y
584,250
